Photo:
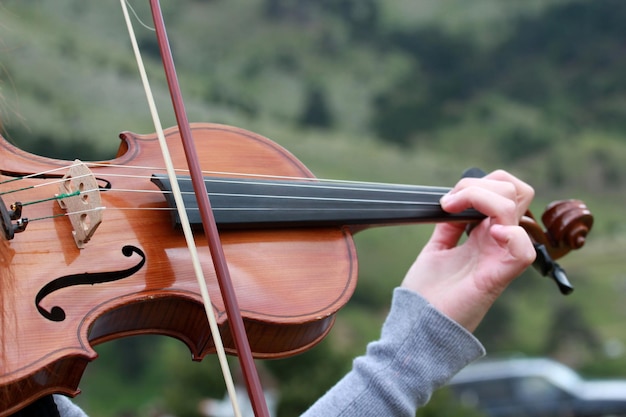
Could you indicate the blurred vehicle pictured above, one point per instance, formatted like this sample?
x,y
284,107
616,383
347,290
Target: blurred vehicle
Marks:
x,y
536,388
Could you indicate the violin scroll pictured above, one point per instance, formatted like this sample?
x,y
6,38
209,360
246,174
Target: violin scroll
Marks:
x,y
567,224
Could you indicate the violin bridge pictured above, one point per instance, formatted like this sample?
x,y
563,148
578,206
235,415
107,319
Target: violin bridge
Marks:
x,y
79,196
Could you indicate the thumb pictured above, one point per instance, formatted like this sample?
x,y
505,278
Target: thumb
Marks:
x,y
516,242
446,236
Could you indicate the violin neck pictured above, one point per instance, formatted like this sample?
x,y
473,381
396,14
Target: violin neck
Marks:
x,y
253,203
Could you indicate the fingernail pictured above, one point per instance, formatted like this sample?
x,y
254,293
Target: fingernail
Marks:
x,y
446,198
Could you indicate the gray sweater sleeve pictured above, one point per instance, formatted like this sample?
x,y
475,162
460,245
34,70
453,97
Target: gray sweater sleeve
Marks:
x,y
420,349
67,408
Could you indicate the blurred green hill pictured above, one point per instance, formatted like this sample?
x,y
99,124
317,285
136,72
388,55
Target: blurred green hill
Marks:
x,y
372,90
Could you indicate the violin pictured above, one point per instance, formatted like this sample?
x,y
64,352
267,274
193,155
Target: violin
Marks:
x,y
92,252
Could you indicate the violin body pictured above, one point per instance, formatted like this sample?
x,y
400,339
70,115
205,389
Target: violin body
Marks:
x,y
134,276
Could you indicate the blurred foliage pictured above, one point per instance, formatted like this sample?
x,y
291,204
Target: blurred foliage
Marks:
x,y
390,91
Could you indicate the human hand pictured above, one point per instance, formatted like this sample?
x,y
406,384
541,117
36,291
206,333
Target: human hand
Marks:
x,y
462,281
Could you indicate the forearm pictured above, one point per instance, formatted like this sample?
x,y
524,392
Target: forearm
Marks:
x,y
419,350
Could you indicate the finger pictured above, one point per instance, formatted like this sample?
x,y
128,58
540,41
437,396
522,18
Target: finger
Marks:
x,y
445,236
491,203
505,188
503,183
523,191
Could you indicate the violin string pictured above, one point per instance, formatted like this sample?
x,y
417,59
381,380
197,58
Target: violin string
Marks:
x,y
409,206
37,174
412,204
229,175
56,197
41,173
290,197
297,181
54,216
267,196
358,186
48,183
217,209
310,185
328,184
